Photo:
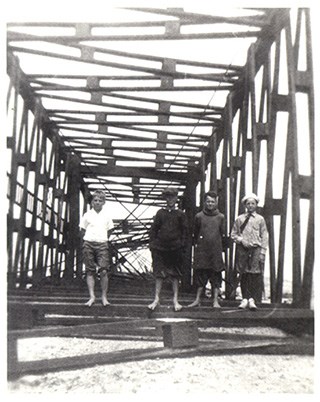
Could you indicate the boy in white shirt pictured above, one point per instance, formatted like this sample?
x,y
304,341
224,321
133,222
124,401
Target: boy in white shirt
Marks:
x,y
95,227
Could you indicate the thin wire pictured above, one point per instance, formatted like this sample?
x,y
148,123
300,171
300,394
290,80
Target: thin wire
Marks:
x,y
131,213
214,93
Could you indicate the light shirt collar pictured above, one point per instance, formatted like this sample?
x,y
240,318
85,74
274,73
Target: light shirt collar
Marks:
x,y
251,213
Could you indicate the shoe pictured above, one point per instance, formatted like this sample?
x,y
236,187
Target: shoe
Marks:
x,y
252,304
243,304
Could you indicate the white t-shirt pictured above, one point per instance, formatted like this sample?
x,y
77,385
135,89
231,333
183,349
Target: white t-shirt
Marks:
x,y
97,225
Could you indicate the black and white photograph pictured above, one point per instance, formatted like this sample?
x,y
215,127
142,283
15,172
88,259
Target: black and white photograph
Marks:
x,y
159,205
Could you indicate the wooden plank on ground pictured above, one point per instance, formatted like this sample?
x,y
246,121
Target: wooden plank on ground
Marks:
x,y
139,310
212,348
291,320
131,299
79,330
143,331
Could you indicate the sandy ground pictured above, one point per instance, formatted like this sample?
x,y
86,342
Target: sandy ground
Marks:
x,y
240,374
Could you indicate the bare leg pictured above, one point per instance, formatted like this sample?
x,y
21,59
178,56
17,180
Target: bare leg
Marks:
x,y
197,299
104,281
175,287
90,284
215,298
156,301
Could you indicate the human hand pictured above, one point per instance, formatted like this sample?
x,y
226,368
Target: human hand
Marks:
x,y
262,258
245,243
239,239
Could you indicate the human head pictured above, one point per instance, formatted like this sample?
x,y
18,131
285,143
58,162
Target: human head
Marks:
x,y
98,199
170,194
250,201
210,200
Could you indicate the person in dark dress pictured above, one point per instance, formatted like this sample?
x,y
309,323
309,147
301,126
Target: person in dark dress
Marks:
x,y
208,261
167,244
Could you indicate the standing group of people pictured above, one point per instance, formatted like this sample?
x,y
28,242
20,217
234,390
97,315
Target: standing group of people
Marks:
x,y
168,241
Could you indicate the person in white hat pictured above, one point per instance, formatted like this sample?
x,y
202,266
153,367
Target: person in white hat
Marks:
x,y
167,244
250,233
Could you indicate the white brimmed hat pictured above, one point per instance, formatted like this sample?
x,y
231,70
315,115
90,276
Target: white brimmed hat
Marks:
x,y
248,196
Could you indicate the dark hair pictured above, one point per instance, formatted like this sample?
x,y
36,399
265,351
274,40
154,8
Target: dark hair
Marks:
x,y
212,194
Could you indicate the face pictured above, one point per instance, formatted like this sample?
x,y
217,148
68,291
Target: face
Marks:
x,y
171,200
210,203
251,204
97,203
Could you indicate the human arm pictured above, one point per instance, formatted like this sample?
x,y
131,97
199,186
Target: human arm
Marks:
x,y
222,229
184,230
110,226
235,232
83,225
196,229
155,225
264,240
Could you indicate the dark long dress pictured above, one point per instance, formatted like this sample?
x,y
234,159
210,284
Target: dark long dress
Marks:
x,y
208,233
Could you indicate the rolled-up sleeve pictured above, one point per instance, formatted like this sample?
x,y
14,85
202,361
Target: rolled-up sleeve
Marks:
x,y
235,231
264,235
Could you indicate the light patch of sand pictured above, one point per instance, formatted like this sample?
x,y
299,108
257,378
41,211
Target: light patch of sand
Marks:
x,y
202,374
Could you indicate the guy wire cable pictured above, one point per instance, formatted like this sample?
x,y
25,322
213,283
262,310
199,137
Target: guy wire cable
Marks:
x,y
131,213
190,134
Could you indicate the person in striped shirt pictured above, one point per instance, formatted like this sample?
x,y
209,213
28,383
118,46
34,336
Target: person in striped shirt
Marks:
x,y
250,234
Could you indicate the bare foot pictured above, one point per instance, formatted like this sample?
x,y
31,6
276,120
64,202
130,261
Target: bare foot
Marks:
x,y
196,303
177,307
105,301
153,305
216,305
90,302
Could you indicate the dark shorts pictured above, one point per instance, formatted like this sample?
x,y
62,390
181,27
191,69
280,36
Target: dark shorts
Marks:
x,y
202,276
96,254
247,260
167,264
